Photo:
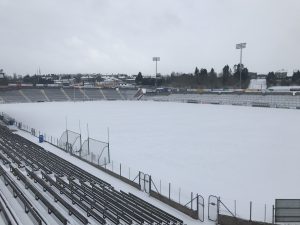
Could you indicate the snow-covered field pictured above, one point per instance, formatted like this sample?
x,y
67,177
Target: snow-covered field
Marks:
x,y
238,153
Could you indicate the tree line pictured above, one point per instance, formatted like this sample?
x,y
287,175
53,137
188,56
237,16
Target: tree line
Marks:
x,y
273,80
201,78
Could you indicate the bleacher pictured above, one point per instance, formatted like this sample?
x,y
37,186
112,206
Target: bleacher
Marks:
x,y
275,100
286,100
78,195
128,93
111,94
75,94
55,94
35,95
94,94
12,96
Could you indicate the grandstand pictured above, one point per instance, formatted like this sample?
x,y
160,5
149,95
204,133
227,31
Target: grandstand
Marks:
x,y
75,94
94,94
34,95
64,94
128,93
11,96
268,99
112,94
51,190
275,100
55,95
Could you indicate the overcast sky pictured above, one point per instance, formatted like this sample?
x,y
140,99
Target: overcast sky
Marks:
x,y
122,36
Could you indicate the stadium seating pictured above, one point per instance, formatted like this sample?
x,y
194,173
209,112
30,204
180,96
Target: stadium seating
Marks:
x,y
12,96
35,95
74,94
270,100
275,100
111,94
128,93
55,94
75,189
94,94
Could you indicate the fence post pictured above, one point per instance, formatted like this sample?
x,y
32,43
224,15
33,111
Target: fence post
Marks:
x,y
218,209
129,172
120,169
197,205
265,216
191,200
140,178
150,183
160,186
169,190
235,208
250,210
105,162
273,216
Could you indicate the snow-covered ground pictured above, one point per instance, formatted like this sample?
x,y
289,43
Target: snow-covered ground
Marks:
x,y
238,153
283,88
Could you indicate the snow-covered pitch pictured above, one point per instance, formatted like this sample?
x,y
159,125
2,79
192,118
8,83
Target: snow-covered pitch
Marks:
x,y
238,153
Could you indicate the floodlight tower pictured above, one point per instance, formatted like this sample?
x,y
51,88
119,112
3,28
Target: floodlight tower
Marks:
x,y
240,46
155,59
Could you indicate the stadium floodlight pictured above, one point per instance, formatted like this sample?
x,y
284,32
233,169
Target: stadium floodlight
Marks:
x,y
156,59
240,46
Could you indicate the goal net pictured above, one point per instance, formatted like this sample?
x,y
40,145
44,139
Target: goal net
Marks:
x,y
70,141
97,152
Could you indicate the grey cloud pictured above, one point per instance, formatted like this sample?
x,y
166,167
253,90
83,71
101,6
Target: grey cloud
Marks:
x,y
68,36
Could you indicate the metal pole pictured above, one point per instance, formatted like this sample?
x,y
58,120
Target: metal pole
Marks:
x,y
140,178
241,55
265,213
191,200
273,217
169,190
218,209
197,204
159,186
235,208
87,127
156,68
150,183
250,211
80,150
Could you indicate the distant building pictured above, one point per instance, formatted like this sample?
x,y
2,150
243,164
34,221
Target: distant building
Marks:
x,y
281,74
1,73
252,75
3,80
262,76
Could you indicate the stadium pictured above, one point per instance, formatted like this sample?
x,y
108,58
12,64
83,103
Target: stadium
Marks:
x,y
126,112
113,156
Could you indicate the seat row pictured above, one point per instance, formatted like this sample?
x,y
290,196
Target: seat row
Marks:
x,y
77,190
